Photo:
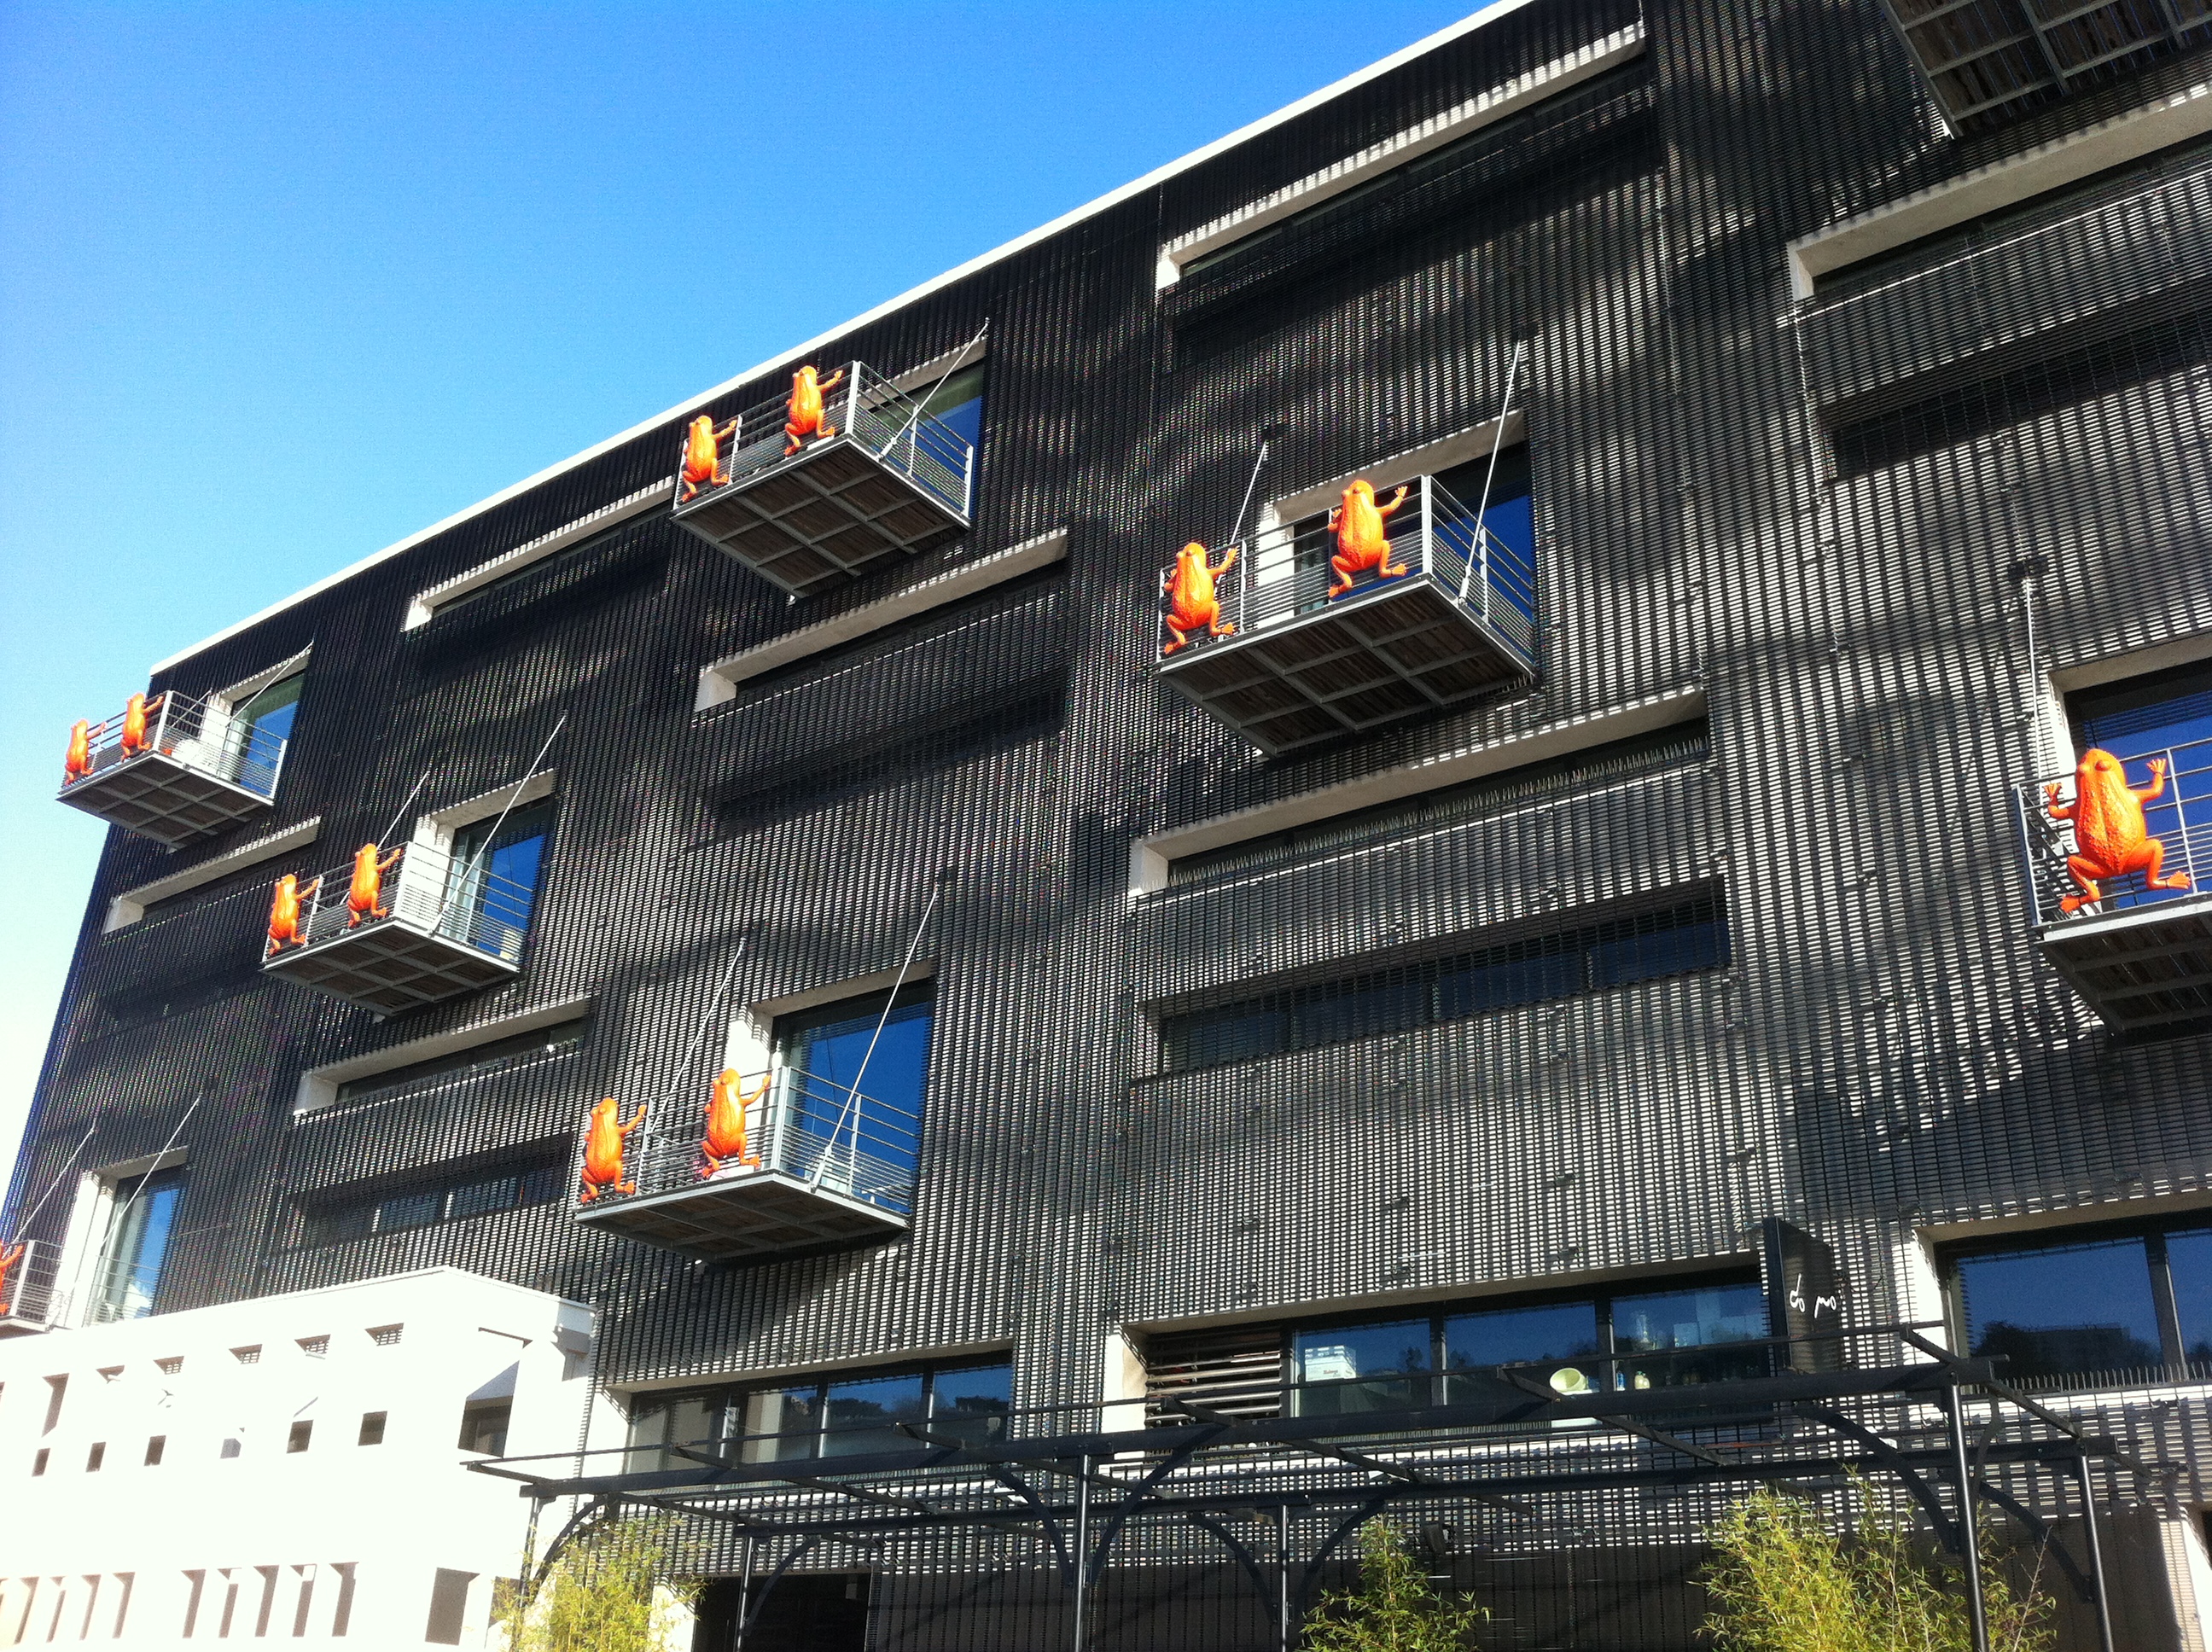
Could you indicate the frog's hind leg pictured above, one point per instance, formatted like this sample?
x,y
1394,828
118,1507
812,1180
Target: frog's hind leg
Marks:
x,y
2154,859
2085,876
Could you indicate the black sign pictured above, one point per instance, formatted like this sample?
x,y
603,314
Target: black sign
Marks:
x,y
1804,1294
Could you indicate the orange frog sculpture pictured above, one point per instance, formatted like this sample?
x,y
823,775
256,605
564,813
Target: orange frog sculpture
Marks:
x,y
1362,543
2109,837
726,1108
9,1255
136,710
284,912
78,764
702,459
806,413
604,1138
1193,603
365,894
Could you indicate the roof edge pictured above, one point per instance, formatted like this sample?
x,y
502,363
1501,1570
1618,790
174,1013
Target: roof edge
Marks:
x,y
1480,18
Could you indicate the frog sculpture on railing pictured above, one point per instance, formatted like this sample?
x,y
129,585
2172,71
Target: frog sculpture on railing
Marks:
x,y
605,1136
2110,837
805,412
78,764
9,1255
702,459
1362,543
284,912
136,710
724,1139
1194,604
365,892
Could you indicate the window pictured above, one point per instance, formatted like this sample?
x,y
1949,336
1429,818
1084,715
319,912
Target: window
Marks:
x,y
483,1426
2116,1300
231,1447
958,403
493,878
1449,1358
260,728
39,1462
314,1347
170,1366
155,1445
301,1433
1671,940
1527,787
2147,713
848,1414
144,1212
327,1218
496,1056
449,1601
385,1336
95,1456
1573,1343
372,1428
1510,513
878,1047
247,1356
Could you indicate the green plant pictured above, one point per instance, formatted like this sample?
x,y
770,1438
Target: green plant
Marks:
x,y
601,1595
1781,1581
1394,1609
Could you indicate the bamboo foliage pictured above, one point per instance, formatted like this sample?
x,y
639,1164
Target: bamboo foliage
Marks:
x,y
1784,1581
1393,1609
609,1592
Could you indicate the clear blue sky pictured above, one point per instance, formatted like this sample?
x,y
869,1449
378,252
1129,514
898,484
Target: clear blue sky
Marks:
x,y
457,243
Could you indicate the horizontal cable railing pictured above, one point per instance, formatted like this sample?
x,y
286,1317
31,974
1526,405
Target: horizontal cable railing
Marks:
x,y
2177,821
122,1291
2044,282
1283,574
424,889
795,1123
29,1281
200,733
862,406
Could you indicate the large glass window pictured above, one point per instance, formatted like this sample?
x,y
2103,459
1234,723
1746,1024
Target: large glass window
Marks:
x,y
473,1062
143,1218
1586,957
1570,1344
494,877
958,403
327,1218
846,1414
854,1078
259,729
2103,1303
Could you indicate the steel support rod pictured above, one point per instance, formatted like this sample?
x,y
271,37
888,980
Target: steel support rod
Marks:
x,y
1082,1552
2096,1551
1282,1577
744,1591
1970,1548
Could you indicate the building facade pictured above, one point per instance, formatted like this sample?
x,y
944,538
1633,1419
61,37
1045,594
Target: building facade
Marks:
x,y
1418,744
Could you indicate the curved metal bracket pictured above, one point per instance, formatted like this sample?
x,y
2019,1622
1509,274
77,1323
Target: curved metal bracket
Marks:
x,y
2040,1529
1095,1565
1344,1528
1947,1528
586,1515
1235,1544
753,1607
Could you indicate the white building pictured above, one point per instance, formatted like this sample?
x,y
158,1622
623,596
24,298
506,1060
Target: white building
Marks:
x,y
287,1467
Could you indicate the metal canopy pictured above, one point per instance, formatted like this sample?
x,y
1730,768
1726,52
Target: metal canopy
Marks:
x,y
1080,1488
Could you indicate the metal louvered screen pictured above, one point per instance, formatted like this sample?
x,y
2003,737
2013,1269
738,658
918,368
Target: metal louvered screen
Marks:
x,y
1236,1370
1984,59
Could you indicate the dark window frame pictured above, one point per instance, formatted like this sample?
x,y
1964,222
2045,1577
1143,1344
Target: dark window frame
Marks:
x,y
502,1055
2153,1231
339,1215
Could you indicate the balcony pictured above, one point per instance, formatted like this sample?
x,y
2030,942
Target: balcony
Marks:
x,y
883,478
435,928
830,1167
174,770
2140,956
1988,59
1300,667
28,1298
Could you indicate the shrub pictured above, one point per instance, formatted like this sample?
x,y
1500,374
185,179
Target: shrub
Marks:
x,y
601,1595
1394,1609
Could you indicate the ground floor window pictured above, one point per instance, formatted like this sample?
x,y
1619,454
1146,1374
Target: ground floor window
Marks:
x,y
840,1414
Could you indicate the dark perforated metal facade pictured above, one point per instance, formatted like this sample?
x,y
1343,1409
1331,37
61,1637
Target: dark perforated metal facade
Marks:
x,y
1885,1052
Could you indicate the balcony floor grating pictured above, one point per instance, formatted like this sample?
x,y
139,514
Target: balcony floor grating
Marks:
x,y
391,966
158,797
747,1214
2146,972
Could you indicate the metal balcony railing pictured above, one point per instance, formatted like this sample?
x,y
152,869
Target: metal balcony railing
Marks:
x,y
1300,664
172,768
2140,955
878,476
1992,58
436,925
29,1285
821,1163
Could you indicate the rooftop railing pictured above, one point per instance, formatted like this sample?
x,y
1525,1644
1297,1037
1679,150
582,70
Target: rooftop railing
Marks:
x,y
171,766
2178,820
865,407
1284,575
802,1127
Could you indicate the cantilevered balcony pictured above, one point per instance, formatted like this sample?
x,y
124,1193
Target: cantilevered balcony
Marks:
x,y
880,477
1300,666
438,927
174,770
823,1165
28,1295
2140,956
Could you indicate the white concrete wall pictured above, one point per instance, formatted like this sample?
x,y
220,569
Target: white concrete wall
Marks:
x,y
117,1554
